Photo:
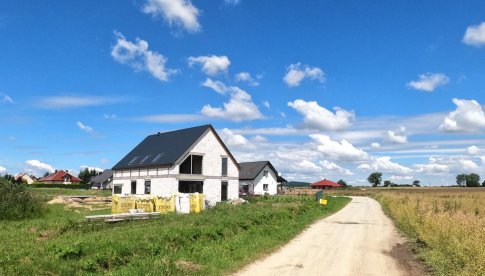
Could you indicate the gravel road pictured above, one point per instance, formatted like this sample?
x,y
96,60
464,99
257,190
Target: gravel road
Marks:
x,y
355,241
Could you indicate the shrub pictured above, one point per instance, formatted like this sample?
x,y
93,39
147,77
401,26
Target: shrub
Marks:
x,y
17,203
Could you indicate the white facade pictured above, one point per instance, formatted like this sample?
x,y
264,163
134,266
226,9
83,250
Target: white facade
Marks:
x,y
164,181
264,183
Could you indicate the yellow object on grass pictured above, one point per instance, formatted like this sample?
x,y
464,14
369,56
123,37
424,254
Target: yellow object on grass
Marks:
x,y
145,203
196,203
165,204
323,201
120,204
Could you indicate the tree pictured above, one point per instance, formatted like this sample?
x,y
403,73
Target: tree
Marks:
x,y
342,182
387,183
46,174
375,178
483,183
86,175
417,183
461,179
473,180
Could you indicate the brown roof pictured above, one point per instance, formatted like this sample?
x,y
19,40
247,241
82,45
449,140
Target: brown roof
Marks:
x,y
59,176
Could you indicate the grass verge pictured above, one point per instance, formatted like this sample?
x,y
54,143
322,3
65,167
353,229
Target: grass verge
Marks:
x,y
215,242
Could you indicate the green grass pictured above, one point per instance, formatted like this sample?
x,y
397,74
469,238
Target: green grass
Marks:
x,y
49,193
215,242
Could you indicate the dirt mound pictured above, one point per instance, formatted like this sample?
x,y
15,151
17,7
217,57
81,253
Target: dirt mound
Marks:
x,y
91,203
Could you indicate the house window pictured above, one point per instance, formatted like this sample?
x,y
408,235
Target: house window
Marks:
x,y
265,173
265,187
192,165
117,189
188,187
148,187
133,187
224,166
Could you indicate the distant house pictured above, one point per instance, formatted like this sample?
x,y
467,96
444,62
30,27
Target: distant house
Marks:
x,y
103,180
186,161
325,184
23,177
258,178
60,177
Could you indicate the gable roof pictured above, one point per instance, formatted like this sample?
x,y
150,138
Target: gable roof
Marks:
x,y
250,170
164,149
59,176
325,182
101,178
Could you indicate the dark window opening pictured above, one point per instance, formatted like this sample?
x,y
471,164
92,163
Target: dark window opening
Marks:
x,y
188,187
245,188
265,173
224,166
192,165
117,189
223,191
133,187
148,187
265,187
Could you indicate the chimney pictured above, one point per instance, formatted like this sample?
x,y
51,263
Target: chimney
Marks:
x,y
55,171
158,133
67,170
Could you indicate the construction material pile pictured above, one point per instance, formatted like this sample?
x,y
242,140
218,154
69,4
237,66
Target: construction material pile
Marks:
x,y
180,203
88,202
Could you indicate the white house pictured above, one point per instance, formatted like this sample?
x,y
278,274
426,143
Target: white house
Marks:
x,y
24,178
258,178
186,161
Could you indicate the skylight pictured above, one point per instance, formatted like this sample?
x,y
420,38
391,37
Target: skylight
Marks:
x,y
133,160
145,159
157,157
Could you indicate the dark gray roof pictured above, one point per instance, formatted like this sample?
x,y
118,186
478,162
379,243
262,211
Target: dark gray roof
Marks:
x,y
250,170
163,149
102,177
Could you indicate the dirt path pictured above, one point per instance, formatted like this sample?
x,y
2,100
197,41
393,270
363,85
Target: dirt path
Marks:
x,y
358,240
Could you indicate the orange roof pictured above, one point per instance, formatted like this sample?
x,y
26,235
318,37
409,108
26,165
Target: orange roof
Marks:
x,y
325,183
59,176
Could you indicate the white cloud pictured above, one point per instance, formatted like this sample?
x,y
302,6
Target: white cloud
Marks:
x,y
475,35
84,127
239,108
211,65
175,12
306,166
37,167
91,168
401,177
246,77
217,86
266,104
104,160
171,118
137,55
3,170
342,150
375,145
64,102
330,166
109,116
297,72
473,150
232,2
385,164
318,117
397,137
232,139
468,116
6,99
429,82
446,165
259,139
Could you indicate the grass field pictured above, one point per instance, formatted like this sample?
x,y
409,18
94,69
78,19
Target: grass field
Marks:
x,y
448,224
49,193
215,242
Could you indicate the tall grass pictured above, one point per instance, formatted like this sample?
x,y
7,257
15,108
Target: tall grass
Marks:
x,y
449,226
17,203
215,242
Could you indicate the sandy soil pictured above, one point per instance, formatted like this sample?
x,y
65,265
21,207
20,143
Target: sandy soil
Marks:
x,y
358,240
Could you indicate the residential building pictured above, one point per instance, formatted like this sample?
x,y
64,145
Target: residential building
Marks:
x,y
103,180
23,177
186,161
258,178
325,184
60,177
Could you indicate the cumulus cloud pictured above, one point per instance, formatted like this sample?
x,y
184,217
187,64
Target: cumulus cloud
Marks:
x,y
6,99
306,166
397,137
84,127
385,164
468,116
137,55
246,77
232,139
239,108
446,165
295,73
175,12
217,86
342,150
330,166
475,35
211,65
375,145
473,150
401,177
37,167
318,117
3,170
429,82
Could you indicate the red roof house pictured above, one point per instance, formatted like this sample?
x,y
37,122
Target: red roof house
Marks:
x,y
60,177
325,184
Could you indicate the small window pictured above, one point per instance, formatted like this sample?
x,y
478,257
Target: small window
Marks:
x,y
192,165
224,166
265,187
265,173
117,189
148,187
133,187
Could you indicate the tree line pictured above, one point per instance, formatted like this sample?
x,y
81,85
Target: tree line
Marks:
x,y
462,180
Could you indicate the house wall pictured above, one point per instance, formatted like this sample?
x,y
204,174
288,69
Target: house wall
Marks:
x,y
164,181
260,180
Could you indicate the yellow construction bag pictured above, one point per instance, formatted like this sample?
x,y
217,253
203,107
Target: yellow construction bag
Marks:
x,y
165,204
323,201
121,204
196,203
114,204
145,203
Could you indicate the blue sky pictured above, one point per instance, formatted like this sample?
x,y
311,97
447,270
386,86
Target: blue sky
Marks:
x,y
333,89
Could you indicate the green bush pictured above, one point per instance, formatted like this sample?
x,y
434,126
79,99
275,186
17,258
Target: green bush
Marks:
x,y
17,203
61,186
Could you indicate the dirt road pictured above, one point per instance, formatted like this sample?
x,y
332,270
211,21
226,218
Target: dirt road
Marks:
x,y
355,241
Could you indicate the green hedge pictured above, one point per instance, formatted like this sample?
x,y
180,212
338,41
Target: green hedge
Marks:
x,y
17,203
62,186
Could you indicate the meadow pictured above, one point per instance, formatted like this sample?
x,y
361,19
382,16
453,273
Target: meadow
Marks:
x,y
447,225
218,241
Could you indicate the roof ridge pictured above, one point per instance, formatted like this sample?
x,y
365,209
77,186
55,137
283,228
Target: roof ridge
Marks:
x,y
178,130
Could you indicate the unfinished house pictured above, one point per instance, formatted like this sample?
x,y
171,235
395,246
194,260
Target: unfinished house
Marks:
x,y
185,161
258,178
